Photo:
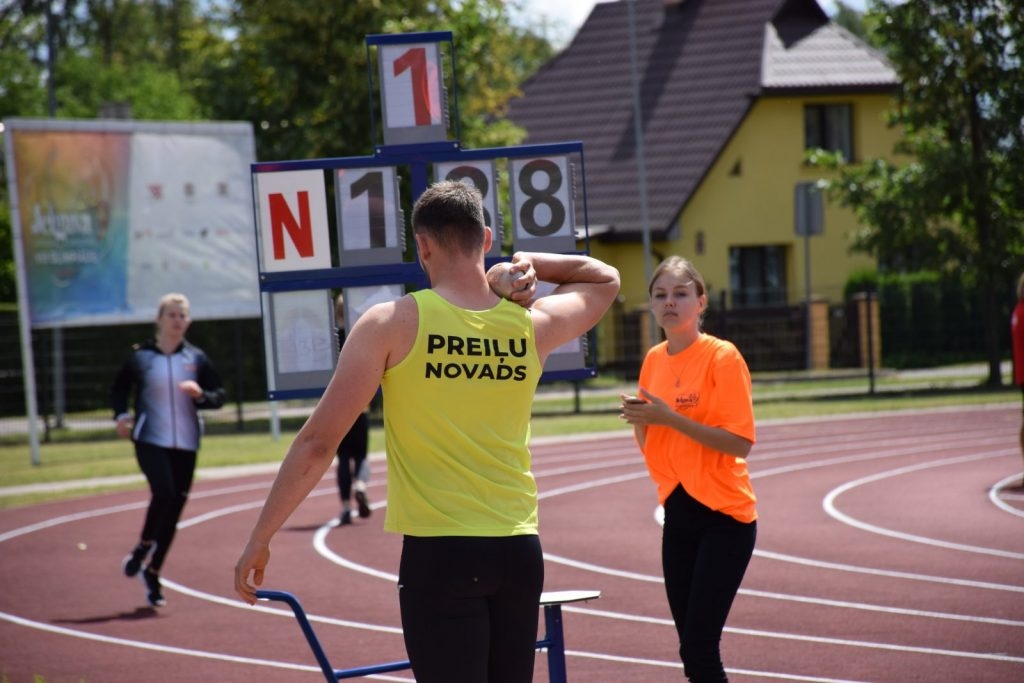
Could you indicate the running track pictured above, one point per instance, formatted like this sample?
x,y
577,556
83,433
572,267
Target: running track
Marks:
x,y
890,548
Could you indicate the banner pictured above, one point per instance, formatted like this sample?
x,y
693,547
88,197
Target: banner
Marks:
x,y
113,214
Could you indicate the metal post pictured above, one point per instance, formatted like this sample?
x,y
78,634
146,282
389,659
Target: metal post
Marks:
x,y
58,377
871,344
239,378
807,299
641,164
555,640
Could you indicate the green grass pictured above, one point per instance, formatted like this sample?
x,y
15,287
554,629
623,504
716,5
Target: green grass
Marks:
x,y
95,455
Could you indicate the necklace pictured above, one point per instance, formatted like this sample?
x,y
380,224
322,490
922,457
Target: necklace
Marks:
x,y
679,372
672,356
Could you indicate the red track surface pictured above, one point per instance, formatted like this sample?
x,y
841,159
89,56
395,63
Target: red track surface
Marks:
x,y
890,548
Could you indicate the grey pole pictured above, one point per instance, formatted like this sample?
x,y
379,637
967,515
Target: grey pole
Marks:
x,y
641,164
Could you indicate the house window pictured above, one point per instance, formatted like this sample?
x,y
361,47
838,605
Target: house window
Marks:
x,y
829,127
757,276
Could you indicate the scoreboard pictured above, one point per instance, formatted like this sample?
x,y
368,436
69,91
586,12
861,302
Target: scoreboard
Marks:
x,y
324,225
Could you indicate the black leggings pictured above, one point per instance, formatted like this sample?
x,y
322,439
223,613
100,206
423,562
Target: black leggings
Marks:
x,y
704,555
470,607
351,454
169,472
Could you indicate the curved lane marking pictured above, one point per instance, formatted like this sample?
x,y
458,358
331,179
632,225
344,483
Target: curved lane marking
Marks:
x,y
995,495
143,645
787,597
822,640
829,504
321,535
676,665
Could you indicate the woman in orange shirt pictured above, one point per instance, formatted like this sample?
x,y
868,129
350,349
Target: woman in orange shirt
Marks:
x,y
694,422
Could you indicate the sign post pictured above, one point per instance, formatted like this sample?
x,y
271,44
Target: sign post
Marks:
x,y
809,219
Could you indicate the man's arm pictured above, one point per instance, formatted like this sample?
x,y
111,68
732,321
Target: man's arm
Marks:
x,y
361,365
585,289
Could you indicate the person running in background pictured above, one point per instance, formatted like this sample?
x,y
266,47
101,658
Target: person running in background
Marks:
x,y
1017,336
459,365
694,422
353,467
172,381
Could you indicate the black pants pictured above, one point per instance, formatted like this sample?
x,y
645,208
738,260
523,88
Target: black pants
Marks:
x,y
470,607
169,472
704,555
351,454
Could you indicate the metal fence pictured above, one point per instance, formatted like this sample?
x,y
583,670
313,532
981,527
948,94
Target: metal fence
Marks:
x,y
75,366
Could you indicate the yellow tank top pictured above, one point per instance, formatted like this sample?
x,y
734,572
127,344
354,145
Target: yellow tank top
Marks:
x,y
457,423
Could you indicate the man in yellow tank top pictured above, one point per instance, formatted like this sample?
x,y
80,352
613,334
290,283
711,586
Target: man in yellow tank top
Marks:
x,y
458,365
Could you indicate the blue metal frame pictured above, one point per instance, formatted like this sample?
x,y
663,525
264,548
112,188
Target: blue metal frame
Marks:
x,y
553,641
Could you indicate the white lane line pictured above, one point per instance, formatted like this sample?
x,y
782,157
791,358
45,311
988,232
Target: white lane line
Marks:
x,y
80,516
869,645
593,484
829,504
787,449
320,543
998,498
859,457
902,611
787,597
279,611
910,576
142,645
799,637
619,659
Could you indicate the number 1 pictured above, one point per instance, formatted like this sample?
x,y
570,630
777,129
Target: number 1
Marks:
x,y
415,60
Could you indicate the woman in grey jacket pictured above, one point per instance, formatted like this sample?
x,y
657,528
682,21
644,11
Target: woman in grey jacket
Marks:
x,y
172,381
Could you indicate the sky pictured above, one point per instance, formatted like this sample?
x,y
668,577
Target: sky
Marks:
x,y
566,16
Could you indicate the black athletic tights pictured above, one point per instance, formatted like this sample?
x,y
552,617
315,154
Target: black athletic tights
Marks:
x,y
351,454
704,555
470,607
169,472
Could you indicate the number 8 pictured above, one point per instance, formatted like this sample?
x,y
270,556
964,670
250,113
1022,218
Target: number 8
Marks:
x,y
541,197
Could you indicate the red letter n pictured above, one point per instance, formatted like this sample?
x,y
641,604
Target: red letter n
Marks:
x,y
301,232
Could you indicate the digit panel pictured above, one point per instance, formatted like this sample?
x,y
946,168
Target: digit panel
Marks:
x,y
370,218
571,356
302,346
482,175
542,203
358,300
412,93
292,229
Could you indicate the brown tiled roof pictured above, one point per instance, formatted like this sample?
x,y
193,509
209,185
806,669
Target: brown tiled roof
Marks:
x,y
700,67
804,56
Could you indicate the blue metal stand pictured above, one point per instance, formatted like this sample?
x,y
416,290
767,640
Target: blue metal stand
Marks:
x,y
553,640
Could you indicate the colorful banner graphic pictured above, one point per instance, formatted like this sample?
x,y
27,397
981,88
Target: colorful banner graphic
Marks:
x,y
114,214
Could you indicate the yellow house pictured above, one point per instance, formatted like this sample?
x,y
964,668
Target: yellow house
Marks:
x,y
730,94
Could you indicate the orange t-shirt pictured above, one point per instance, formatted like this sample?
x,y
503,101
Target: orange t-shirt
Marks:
x,y
708,382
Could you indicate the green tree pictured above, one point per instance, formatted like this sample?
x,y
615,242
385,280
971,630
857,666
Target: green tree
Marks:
x,y
853,21
22,93
95,62
297,71
952,200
